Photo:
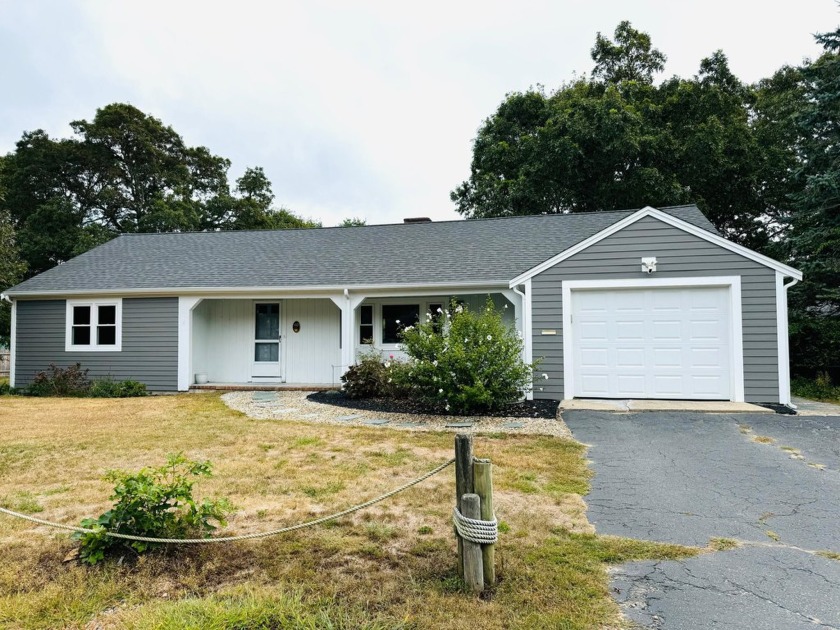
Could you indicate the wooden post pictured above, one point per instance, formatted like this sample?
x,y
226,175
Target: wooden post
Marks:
x,y
463,482
473,569
483,481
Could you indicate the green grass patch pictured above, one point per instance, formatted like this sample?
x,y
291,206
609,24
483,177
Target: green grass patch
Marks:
x,y
723,544
831,555
24,501
821,389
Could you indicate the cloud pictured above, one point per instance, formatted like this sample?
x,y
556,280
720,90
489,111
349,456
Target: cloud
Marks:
x,y
354,109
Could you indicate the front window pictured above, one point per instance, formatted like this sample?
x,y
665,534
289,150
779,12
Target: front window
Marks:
x,y
366,324
395,317
93,326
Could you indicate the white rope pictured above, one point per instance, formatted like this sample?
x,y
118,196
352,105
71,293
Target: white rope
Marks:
x,y
196,541
475,530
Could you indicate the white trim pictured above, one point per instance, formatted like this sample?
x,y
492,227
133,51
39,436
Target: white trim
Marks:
x,y
670,220
313,291
94,321
782,337
13,345
186,305
736,320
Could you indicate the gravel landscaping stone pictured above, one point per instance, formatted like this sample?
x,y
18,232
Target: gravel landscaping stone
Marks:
x,y
324,412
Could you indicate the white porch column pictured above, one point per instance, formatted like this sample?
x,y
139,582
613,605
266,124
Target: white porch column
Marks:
x,y
522,311
13,345
348,304
185,309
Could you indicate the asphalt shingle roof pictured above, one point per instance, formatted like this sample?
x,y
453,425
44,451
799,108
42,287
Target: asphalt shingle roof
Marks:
x,y
483,250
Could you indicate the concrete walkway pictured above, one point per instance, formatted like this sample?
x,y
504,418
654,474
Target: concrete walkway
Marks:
x,y
702,406
805,407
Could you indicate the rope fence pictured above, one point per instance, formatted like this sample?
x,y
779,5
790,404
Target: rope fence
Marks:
x,y
221,539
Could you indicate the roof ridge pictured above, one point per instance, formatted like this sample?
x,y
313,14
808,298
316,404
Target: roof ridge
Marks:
x,y
380,225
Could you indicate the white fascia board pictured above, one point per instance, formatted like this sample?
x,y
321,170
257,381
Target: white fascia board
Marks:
x,y
670,220
267,292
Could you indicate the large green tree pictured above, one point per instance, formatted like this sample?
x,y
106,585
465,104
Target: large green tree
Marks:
x,y
815,242
616,140
12,266
124,171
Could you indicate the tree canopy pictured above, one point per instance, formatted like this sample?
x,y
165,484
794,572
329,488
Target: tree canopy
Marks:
x,y
761,160
124,171
616,140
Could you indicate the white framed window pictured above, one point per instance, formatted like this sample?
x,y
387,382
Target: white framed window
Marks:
x,y
94,326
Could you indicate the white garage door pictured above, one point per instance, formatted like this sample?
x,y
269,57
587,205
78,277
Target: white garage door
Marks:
x,y
652,343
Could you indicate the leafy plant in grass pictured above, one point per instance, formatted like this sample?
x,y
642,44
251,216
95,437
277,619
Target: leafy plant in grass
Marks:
x,y
156,503
109,388
59,381
473,362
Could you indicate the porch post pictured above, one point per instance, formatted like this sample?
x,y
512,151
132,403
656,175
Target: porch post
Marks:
x,y
348,304
185,317
522,312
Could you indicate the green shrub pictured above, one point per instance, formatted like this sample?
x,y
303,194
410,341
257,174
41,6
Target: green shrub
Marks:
x,y
6,389
108,388
473,362
58,381
820,388
372,377
154,502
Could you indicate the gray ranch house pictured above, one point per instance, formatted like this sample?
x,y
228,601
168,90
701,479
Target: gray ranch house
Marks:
x,y
650,303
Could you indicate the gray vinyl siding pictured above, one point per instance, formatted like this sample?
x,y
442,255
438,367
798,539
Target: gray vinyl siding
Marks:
x,y
678,254
149,343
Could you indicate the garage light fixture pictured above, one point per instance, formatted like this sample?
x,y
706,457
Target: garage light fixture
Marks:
x,y
648,264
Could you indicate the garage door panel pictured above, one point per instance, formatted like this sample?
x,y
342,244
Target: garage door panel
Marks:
x,y
629,357
634,384
652,343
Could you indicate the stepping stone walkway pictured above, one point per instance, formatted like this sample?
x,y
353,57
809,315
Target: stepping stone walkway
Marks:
x,y
376,421
264,396
348,418
459,425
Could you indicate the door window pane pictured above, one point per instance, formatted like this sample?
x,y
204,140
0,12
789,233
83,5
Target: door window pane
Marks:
x,y
267,352
366,324
268,321
395,317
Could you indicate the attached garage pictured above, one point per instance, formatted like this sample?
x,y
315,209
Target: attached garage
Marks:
x,y
659,307
657,340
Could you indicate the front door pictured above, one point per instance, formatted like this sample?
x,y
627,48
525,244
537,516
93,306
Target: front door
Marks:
x,y
266,364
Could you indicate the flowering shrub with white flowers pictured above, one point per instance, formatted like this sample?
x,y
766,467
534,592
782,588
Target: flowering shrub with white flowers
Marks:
x,y
466,361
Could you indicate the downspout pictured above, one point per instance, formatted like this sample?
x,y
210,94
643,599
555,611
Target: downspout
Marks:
x,y
786,287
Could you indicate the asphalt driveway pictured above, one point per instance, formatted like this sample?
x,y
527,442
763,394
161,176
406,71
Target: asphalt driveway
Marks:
x,y
771,482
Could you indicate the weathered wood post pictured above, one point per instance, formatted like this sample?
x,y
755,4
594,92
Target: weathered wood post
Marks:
x,y
473,563
483,483
463,483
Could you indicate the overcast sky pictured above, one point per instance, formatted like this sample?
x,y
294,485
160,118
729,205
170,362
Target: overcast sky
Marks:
x,y
353,108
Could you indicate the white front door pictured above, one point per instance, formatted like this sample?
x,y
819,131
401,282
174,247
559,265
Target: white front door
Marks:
x,y
672,343
267,347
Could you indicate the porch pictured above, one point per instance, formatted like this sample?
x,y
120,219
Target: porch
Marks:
x,y
304,342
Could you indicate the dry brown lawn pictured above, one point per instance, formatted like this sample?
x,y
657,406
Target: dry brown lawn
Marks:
x,y
389,566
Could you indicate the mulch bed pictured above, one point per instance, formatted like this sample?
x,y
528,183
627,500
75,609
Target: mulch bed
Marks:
x,y
526,409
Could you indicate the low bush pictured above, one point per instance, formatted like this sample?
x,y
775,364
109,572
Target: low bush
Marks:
x,y
156,503
6,389
372,377
59,381
821,388
473,362
108,388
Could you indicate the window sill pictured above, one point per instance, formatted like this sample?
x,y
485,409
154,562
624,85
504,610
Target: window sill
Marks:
x,y
92,349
